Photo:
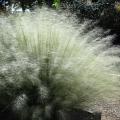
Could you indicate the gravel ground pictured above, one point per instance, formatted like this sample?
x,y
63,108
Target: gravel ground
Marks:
x,y
111,111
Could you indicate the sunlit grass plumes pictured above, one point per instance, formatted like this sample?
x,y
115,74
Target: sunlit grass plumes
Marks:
x,y
77,66
53,61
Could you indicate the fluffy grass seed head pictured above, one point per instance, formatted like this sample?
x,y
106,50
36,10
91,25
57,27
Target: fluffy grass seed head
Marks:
x,y
55,61
78,67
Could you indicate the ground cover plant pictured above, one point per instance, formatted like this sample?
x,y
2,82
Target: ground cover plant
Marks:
x,y
50,62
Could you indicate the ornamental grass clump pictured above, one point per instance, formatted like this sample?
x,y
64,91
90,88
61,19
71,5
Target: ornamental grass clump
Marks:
x,y
49,63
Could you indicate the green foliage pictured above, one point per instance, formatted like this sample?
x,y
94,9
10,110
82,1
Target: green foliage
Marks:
x,y
56,3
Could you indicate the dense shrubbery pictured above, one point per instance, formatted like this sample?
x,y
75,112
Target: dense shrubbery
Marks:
x,y
92,9
106,12
27,4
